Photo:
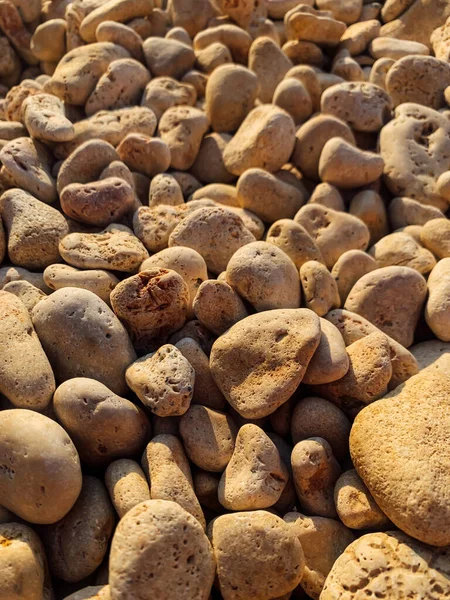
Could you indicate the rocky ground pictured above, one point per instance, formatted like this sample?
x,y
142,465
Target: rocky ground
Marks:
x,y
224,299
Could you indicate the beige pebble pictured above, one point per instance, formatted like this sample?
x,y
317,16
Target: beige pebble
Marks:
x,y
368,206
23,562
330,361
323,540
315,471
182,129
270,65
437,306
205,485
170,475
34,448
265,276
152,304
241,566
327,195
435,235
209,437
163,381
319,288
86,163
170,536
346,166
354,503
36,178
401,249
367,378
26,292
379,71
95,343
209,167
118,33
312,25
163,93
98,203
165,189
350,267
406,211
237,40
230,95
334,232
102,425
267,196
45,118
121,85
364,106
97,281
353,327
144,154
358,36
113,248
49,40
217,306
400,562
34,230
315,417
387,47
265,139
378,295
113,10
26,383
212,57
413,160
206,224
400,420
77,544
295,241
418,79
255,475
168,58
285,338
348,11
126,485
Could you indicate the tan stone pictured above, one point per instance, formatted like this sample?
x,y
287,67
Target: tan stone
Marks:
x,y
168,470
378,295
243,571
323,541
354,503
400,563
409,424
162,527
334,232
265,276
286,339
126,485
330,361
255,475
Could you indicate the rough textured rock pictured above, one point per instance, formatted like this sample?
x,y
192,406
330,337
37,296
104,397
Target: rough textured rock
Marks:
x,y
409,426
281,342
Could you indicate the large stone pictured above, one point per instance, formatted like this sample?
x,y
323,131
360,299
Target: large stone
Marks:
x,y
389,565
399,447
